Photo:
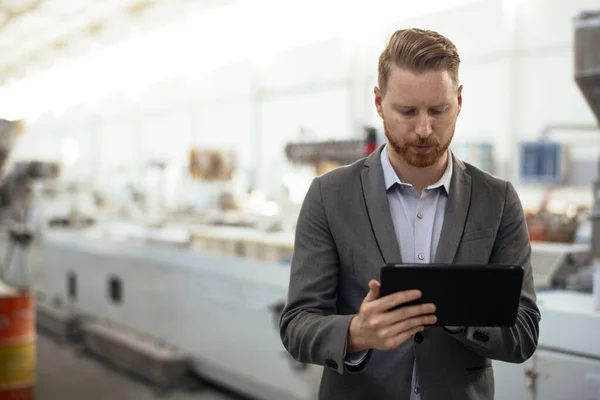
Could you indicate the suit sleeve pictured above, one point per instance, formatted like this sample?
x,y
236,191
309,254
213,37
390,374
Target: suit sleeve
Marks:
x,y
310,329
514,344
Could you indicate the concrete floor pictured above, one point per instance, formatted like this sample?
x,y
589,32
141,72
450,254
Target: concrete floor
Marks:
x,y
62,374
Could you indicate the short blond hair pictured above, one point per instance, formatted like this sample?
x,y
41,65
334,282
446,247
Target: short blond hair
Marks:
x,y
418,50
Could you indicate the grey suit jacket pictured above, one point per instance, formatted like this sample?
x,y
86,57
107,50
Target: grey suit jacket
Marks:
x,y
345,234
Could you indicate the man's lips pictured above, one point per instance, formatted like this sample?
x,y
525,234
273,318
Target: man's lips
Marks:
x,y
422,149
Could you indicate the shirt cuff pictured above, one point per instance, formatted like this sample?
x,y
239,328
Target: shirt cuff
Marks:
x,y
355,359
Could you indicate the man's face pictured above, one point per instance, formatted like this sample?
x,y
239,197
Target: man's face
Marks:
x,y
419,112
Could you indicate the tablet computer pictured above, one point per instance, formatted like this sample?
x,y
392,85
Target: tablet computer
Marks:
x,y
464,295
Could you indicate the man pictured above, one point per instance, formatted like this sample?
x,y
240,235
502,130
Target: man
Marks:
x,y
410,201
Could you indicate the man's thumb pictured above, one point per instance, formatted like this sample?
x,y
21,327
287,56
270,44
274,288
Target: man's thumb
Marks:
x,y
373,291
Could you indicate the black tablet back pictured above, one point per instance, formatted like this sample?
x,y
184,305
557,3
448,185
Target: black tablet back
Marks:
x,y
464,295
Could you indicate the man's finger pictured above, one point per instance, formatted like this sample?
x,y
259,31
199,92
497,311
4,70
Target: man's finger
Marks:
x,y
396,299
409,324
373,291
408,312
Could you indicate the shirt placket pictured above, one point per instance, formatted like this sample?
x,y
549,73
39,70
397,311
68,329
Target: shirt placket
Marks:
x,y
423,227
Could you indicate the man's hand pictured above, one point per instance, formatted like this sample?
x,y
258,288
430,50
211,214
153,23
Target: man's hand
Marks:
x,y
376,328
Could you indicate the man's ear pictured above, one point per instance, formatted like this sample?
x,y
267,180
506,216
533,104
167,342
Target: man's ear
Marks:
x,y
460,98
378,100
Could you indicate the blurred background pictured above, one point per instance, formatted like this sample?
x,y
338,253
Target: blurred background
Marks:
x,y
155,155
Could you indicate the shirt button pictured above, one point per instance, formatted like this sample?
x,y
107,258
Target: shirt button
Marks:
x,y
420,215
416,390
421,257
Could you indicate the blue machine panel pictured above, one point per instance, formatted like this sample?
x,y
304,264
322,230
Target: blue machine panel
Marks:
x,y
541,162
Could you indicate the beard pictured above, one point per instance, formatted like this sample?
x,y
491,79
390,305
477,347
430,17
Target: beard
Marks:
x,y
403,149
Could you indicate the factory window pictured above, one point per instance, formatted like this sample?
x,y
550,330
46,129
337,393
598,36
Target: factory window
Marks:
x,y
115,288
72,286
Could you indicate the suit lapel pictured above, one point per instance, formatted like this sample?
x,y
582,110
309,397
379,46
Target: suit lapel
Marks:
x,y
378,208
457,209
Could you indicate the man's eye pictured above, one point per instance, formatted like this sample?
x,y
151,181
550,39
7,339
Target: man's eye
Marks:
x,y
436,112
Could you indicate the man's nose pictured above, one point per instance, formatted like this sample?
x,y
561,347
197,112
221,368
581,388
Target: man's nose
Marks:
x,y
424,128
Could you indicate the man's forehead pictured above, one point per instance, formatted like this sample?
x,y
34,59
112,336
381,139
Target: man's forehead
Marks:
x,y
432,87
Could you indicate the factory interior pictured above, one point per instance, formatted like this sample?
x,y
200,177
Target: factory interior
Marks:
x,y
155,156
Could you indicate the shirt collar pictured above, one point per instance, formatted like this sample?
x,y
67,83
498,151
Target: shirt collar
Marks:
x,y
391,178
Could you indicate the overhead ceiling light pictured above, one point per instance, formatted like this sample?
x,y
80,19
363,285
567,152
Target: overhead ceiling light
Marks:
x,y
95,29
60,44
141,7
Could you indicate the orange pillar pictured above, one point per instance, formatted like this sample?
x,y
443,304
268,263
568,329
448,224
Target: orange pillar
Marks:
x,y
17,346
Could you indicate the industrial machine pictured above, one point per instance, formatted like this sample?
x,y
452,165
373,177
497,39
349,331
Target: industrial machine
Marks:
x,y
331,154
164,312
18,210
554,263
566,365
140,297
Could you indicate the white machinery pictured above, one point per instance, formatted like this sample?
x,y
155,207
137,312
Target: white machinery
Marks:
x,y
144,301
566,365
214,313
